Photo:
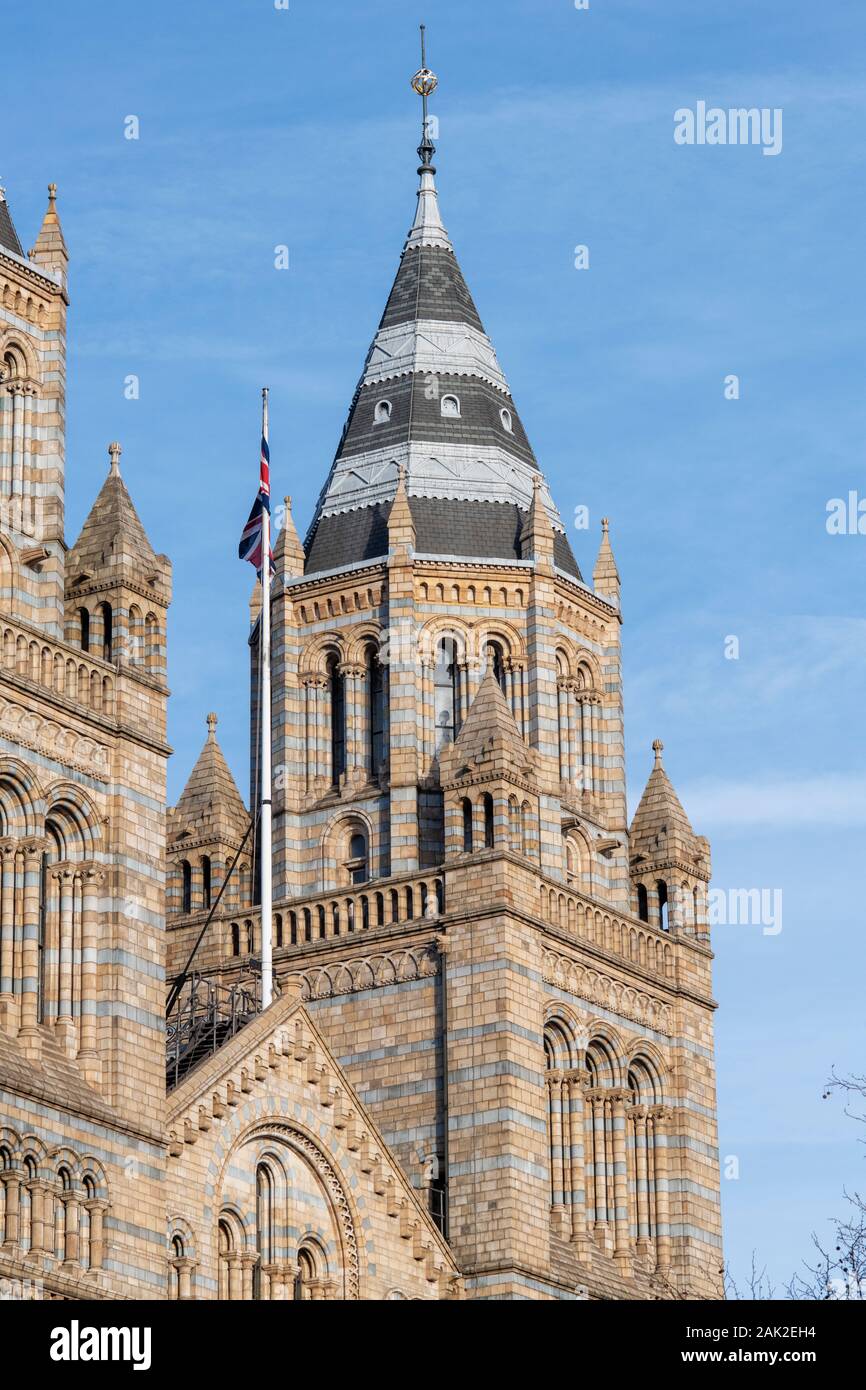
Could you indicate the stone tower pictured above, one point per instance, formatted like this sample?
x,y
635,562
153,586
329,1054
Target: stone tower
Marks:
x,y
457,891
82,831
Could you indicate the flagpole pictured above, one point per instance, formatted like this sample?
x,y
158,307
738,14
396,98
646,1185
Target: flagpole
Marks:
x,y
265,721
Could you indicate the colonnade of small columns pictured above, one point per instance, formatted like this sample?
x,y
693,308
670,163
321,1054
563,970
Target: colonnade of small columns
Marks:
x,y
41,1216
18,424
334,915
579,719
668,905
244,1277
317,694
53,668
608,1168
487,816
49,934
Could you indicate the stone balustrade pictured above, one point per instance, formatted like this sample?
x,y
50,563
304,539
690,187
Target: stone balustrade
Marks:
x,y
57,667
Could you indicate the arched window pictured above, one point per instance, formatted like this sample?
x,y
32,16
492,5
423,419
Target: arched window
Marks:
x,y
338,719
376,711
450,407
558,1058
177,1254
307,1272
572,859
12,366
61,1215
264,1224
445,691
488,821
466,806
382,413
507,421
642,902
236,938
662,891
136,635
107,631
151,642
357,863
229,1282
185,886
84,629
86,1223
205,880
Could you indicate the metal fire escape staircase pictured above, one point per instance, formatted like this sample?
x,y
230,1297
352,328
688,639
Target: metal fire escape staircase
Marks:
x,y
205,1015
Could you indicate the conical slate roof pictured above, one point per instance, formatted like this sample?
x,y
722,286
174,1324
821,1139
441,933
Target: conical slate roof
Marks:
x,y
433,399
8,235
489,733
112,529
660,825
210,805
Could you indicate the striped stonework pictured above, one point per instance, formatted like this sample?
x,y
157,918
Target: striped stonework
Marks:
x,y
513,980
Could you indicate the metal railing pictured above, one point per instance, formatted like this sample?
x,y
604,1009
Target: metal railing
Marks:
x,y
204,1016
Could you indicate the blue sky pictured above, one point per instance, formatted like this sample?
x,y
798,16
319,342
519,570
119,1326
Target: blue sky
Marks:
x,y
261,127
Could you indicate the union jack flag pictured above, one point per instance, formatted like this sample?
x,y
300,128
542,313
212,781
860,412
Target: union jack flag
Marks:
x,y
250,547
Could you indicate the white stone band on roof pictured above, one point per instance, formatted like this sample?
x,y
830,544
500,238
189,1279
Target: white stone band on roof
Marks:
x,y
429,345
427,229
456,472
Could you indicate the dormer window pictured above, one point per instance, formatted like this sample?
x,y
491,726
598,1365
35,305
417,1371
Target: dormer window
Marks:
x,y
507,422
382,413
450,407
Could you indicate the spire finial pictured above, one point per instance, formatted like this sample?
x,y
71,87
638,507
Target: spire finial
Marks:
x,y
211,725
52,192
114,452
425,83
605,525
658,749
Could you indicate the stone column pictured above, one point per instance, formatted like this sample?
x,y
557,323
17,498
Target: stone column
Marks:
x,y
248,1264
30,944
97,1209
64,1007
185,1269
354,729
313,751
281,1280
428,714
7,931
39,1238
29,500
622,1249
641,1178
17,441
235,1277
562,720
574,774
659,1119
576,1080
71,1243
92,878
557,1167
599,1166
12,1183
586,744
